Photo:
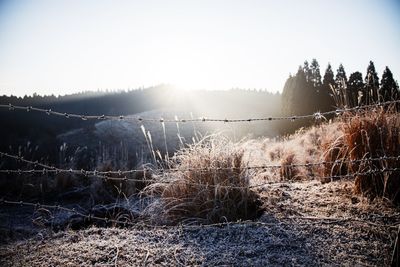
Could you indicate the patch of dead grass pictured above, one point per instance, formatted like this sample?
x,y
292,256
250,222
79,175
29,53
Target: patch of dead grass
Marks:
x,y
211,184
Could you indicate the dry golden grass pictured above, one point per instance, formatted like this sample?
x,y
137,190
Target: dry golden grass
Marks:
x,y
343,145
216,193
303,147
368,134
375,134
334,154
287,171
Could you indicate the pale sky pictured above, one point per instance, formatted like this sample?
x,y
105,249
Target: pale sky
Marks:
x,y
67,46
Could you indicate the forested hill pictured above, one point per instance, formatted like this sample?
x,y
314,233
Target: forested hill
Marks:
x,y
19,126
139,100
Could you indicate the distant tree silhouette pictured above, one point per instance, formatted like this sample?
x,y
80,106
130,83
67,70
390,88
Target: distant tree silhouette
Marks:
x,y
288,101
341,78
307,71
315,74
329,78
389,89
341,95
326,91
295,88
355,86
371,88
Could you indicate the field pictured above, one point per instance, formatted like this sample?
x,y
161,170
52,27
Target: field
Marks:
x,y
326,195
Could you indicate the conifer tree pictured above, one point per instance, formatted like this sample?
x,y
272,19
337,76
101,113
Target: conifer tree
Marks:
x,y
315,74
371,85
341,78
329,78
341,95
389,88
355,87
307,71
326,102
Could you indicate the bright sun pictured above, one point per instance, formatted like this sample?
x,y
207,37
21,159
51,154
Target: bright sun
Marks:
x,y
187,69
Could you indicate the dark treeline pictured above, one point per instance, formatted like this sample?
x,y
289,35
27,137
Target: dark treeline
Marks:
x,y
308,91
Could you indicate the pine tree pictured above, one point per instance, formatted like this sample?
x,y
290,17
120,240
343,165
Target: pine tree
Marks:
x,y
341,88
341,78
315,74
355,87
389,89
307,71
371,85
328,76
327,102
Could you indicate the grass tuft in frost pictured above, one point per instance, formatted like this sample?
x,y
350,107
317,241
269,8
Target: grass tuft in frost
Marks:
x,y
219,192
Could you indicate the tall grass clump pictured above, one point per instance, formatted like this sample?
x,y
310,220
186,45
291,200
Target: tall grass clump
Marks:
x,y
373,133
335,155
210,184
287,171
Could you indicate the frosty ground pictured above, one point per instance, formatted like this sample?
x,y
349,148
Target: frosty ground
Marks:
x,y
312,215
305,223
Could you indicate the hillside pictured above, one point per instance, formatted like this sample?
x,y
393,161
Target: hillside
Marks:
x,y
36,134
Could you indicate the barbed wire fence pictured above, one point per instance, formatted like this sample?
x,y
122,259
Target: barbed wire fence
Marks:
x,y
316,115
105,175
124,175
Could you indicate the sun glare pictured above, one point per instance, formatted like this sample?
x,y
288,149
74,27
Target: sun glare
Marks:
x,y
187,70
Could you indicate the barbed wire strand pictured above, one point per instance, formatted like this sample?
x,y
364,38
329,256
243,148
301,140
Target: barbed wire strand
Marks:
x,y
221,185
316,115
53,169
170,181
47,169
142,224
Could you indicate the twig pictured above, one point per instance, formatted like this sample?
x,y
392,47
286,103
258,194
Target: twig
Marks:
x,y
395,255
116,257
145,259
